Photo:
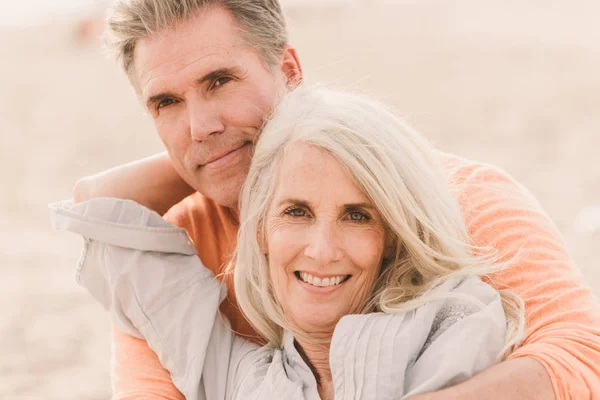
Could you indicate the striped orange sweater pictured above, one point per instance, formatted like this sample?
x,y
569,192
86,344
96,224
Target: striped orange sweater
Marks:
x,y
563,317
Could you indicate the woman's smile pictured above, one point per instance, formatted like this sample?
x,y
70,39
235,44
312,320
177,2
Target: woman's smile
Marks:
x,y
315,280
320,285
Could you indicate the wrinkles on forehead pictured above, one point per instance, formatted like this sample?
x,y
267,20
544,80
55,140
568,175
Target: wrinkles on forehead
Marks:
x,y
211,34
163,61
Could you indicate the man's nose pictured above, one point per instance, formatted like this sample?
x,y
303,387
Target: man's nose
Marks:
x,y
324,243
205,120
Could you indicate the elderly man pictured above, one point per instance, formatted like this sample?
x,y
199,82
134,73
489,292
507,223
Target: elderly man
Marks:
x,y
209,72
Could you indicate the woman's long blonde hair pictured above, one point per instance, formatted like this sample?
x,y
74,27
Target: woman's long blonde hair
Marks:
x,y
399,171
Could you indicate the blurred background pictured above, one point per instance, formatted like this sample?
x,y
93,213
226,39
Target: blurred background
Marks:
x,y
512,83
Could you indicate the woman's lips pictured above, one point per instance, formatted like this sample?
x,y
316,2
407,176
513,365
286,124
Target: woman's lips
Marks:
x,y
318,287
314,280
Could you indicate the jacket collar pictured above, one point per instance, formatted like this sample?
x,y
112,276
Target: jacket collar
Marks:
x,y
123,223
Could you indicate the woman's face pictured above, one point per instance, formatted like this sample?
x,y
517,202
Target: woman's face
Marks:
x,y
325,240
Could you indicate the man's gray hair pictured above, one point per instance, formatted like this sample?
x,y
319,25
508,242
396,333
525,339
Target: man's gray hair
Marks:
x,y
262,24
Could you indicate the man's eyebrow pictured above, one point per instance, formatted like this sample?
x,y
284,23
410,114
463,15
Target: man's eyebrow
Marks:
x,y
157,98
211,76
218,73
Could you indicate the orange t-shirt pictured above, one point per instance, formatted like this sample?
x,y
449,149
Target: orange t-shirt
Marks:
x,y
563,316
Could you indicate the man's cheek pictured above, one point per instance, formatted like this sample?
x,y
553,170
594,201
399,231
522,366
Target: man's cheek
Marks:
x,y
250,113
174,139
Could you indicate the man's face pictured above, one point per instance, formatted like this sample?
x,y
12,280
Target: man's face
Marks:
x,y
208,94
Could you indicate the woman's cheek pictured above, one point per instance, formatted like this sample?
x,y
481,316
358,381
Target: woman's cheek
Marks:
x,y
284,244
365,246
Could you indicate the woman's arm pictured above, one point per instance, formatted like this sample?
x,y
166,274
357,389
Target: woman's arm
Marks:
x,y
151,181
146,273
562,315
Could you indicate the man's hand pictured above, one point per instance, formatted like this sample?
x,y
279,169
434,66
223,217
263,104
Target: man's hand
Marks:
x,y
152,182
519,379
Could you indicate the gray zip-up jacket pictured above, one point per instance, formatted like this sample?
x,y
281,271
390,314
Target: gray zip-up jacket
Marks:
x,y
146,273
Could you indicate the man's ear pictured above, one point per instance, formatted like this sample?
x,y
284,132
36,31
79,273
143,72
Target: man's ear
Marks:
x,y
291,67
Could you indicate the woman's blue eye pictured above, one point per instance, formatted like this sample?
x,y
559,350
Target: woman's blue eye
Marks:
x,y
358,216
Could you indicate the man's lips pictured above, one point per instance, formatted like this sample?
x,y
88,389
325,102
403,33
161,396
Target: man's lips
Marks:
x,y
223,158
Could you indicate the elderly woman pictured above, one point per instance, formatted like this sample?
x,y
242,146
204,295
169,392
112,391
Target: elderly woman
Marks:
x,y
353,263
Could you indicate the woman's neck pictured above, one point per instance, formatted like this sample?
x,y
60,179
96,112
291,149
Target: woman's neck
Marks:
x,y
317,358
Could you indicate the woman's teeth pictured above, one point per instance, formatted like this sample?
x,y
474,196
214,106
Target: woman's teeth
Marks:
x,y
316,281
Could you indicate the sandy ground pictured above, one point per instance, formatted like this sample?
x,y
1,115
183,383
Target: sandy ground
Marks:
x,y
507,82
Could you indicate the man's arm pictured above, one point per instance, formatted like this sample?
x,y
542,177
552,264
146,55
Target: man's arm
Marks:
x,y
137,373
562,345
521,378
152,182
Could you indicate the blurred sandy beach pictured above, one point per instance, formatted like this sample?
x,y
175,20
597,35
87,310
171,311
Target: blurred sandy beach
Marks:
x,y
508,82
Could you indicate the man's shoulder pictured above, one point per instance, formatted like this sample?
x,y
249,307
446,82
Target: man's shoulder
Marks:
x,y
193,204
199,212
462,171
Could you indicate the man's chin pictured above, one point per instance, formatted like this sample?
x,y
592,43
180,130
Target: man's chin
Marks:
x,y
225,194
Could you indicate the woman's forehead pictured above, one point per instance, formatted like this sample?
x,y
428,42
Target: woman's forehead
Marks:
x,y
309,172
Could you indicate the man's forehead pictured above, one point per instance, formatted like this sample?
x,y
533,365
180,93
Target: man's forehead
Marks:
x,y
154,57
207,38
162,70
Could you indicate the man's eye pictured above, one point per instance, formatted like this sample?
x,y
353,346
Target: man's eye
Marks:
x,y
358,216
295,212
164,103
221,81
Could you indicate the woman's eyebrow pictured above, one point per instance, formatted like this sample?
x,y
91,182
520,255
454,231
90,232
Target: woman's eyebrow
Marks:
x,y
305,203
293,201
360,205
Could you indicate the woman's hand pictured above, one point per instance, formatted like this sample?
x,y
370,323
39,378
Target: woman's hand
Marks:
x,y
152,182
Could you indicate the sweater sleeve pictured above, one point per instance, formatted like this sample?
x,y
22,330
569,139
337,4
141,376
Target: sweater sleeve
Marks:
x,y
562,314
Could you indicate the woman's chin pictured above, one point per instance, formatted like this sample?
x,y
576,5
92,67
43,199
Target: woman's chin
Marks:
x,y
317,320
317,309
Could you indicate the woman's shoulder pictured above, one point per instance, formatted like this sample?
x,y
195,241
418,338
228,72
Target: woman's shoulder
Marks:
x,y
399,345
449,302
414,328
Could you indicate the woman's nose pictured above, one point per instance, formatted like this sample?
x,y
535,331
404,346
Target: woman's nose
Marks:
x,y
205,120
324,243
